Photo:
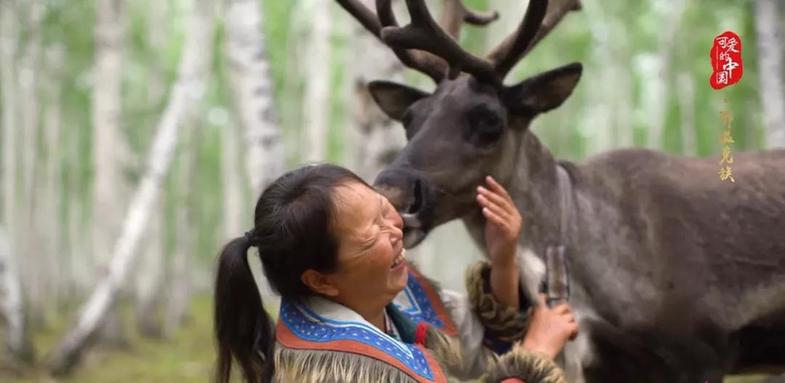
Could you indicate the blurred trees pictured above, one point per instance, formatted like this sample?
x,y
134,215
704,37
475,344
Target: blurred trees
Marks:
x,y
88,85
769,32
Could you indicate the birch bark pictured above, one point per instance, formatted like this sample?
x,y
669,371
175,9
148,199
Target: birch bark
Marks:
x,y
187,90
316,108
109,147
768,25
252,88
17,337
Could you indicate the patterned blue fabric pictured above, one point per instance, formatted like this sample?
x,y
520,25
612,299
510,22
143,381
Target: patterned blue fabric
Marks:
x,y
414,302
312,327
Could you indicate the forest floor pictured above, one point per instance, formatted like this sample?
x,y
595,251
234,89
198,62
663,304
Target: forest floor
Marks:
x,y
186,358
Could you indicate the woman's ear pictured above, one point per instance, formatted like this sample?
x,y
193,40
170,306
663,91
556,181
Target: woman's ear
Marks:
x,y
319,283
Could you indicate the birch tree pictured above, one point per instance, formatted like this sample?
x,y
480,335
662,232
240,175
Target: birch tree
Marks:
x,y
316,105
17,341
768,23
178,287
109,149
252,92
231,182
27,237
150,276
187,90
18,347
670,13
49,195
375,137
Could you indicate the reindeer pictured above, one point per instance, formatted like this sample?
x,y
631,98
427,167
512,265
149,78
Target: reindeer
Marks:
x,y
676,275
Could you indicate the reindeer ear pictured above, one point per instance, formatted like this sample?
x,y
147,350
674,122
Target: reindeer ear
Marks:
x,y
394,98
544,91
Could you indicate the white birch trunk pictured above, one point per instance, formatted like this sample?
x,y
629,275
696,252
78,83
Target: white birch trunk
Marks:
x,y
768,21
8,40
374,137
108,143
316,108
597,123
252,88
150,277
187,90
11,300
671,15
179,279
17,337
233,212
18,347
49,216
28,239
109,149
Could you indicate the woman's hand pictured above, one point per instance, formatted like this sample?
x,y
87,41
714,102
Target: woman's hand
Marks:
x,y
502,228
550,328
503,222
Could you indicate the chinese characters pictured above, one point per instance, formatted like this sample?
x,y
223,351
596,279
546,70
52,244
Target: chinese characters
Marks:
x,y
726,171
726,60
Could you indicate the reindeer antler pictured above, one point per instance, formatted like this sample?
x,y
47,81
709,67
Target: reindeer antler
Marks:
x,y
423,33
455,13
432,49
536,24
428,65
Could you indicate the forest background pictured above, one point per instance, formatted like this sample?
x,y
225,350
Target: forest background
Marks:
x,y
137,134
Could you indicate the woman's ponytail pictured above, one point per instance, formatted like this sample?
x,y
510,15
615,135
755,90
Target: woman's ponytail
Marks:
x,y
243,329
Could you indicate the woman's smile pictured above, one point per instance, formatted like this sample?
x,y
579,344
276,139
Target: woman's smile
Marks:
x,y
398,261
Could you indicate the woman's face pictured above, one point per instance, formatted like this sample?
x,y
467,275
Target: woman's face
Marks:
x,y
371,271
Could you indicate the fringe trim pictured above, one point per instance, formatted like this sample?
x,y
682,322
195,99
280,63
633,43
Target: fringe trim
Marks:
x,y
525,365
445,349
506,323
317,366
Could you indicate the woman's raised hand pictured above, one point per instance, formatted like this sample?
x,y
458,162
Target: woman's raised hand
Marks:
x,y
503,222
550,328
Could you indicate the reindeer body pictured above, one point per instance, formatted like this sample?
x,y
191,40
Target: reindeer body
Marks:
x,y
677,276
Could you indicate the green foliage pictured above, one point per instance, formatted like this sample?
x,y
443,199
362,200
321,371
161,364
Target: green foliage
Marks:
x,y
187,357
610,108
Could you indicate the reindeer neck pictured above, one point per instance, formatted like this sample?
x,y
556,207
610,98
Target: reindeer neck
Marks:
x,y
535,186
541,189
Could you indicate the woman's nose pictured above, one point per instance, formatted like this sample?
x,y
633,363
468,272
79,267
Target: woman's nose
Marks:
x,y
396,228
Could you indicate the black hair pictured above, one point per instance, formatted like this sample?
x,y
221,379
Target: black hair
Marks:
x,y
293,231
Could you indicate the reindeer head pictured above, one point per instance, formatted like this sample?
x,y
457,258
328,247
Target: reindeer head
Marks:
x,y
472,125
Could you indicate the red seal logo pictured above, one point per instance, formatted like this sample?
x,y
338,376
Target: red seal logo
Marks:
x,y
726,60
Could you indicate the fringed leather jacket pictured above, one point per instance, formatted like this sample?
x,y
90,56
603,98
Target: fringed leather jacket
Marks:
x,y
434,335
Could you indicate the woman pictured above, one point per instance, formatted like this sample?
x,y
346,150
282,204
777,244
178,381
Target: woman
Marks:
x,y
353,309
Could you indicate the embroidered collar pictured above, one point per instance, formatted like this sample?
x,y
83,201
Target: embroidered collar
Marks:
x,y
319,324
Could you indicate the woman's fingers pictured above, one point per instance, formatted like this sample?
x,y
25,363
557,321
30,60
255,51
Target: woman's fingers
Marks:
x,y
497,187
496,209
493,217
495,198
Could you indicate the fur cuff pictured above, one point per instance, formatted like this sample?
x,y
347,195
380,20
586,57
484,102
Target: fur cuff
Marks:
x,y
525,365
504,322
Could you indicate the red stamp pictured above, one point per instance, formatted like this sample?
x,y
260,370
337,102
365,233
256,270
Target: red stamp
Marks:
x,y
726,60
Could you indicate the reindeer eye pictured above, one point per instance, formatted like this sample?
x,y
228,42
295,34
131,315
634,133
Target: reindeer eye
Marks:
x,y
486,126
